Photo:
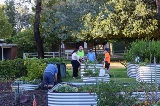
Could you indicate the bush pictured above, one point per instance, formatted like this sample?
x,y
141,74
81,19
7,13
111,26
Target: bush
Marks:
x,y
12,68
146,50
29,69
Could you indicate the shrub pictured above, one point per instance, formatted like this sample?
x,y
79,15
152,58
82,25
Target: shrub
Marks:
x,y
12,68
28,69
146,50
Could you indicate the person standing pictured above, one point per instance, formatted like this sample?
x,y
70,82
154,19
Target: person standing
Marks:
x,y
50,75
81,53
75,63
107,60
91,55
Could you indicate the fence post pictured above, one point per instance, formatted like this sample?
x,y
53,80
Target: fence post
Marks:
x,y
53,55
24,55
67,55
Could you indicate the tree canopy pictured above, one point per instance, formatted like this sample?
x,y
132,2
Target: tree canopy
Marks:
x,y
121,19
5,27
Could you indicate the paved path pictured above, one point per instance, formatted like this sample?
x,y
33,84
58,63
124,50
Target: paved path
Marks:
x,y
113,65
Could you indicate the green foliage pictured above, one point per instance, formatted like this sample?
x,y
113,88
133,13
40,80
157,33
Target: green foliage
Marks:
x,y
10,11
5,27
12,68
35,68
120,19
146,50
25,69
25,42
56,59
109,95
100,58
63,18
90,69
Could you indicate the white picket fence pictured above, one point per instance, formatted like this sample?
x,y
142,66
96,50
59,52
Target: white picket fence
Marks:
x,y
66,55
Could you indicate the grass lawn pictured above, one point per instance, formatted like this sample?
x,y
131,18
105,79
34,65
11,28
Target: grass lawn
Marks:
x,y
118,74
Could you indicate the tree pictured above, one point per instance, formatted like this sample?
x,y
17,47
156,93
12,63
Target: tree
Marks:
x,y
36,30
5,27
25,41
23,15
10,11
63,19
122,19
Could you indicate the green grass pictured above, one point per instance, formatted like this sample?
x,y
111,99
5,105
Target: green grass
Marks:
x,y
118,74
69,77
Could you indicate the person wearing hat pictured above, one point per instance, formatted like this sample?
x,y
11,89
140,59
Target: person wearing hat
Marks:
x,y
107,60
91,55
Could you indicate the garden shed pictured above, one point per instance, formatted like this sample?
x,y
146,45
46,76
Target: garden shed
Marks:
x,y
8,51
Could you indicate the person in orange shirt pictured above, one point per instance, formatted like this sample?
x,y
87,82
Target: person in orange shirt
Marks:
x,y
107,60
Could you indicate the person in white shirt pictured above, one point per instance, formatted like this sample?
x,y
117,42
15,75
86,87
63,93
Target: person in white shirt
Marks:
x,y
75,63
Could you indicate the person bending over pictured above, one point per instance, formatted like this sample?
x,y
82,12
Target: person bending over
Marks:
x,y
50,75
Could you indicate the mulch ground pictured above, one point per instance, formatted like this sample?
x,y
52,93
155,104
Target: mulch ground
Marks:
x,y
7,97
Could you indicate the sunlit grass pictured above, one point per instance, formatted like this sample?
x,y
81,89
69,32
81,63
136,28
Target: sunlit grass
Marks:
x,y
118,74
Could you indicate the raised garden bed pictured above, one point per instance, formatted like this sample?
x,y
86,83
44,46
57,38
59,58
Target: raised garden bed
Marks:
x,y
148,74
132,70
72,94
93,73
84,94
23,86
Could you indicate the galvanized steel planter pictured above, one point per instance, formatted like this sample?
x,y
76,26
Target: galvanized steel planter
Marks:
x,y
132,70
24,87
142,96
92,67
71,98
148,74
96,79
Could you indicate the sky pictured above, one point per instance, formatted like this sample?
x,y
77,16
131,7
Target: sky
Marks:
x,y
2,1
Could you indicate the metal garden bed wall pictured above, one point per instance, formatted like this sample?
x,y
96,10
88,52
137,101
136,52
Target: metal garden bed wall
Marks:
x,y
132,70
71,98
85,98
92,67
24,87
148,74
21,85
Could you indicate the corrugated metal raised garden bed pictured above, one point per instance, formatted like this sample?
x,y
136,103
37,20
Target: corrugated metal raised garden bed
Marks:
x,y
148,74
84,94
93,73
72,94
24,86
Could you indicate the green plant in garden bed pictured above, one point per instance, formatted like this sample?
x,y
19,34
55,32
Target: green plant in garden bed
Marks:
x,y
90,73
114,93
76,88
90,69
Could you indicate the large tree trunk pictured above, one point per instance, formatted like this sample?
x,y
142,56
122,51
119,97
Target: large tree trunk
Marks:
x,y
36,30
158,11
